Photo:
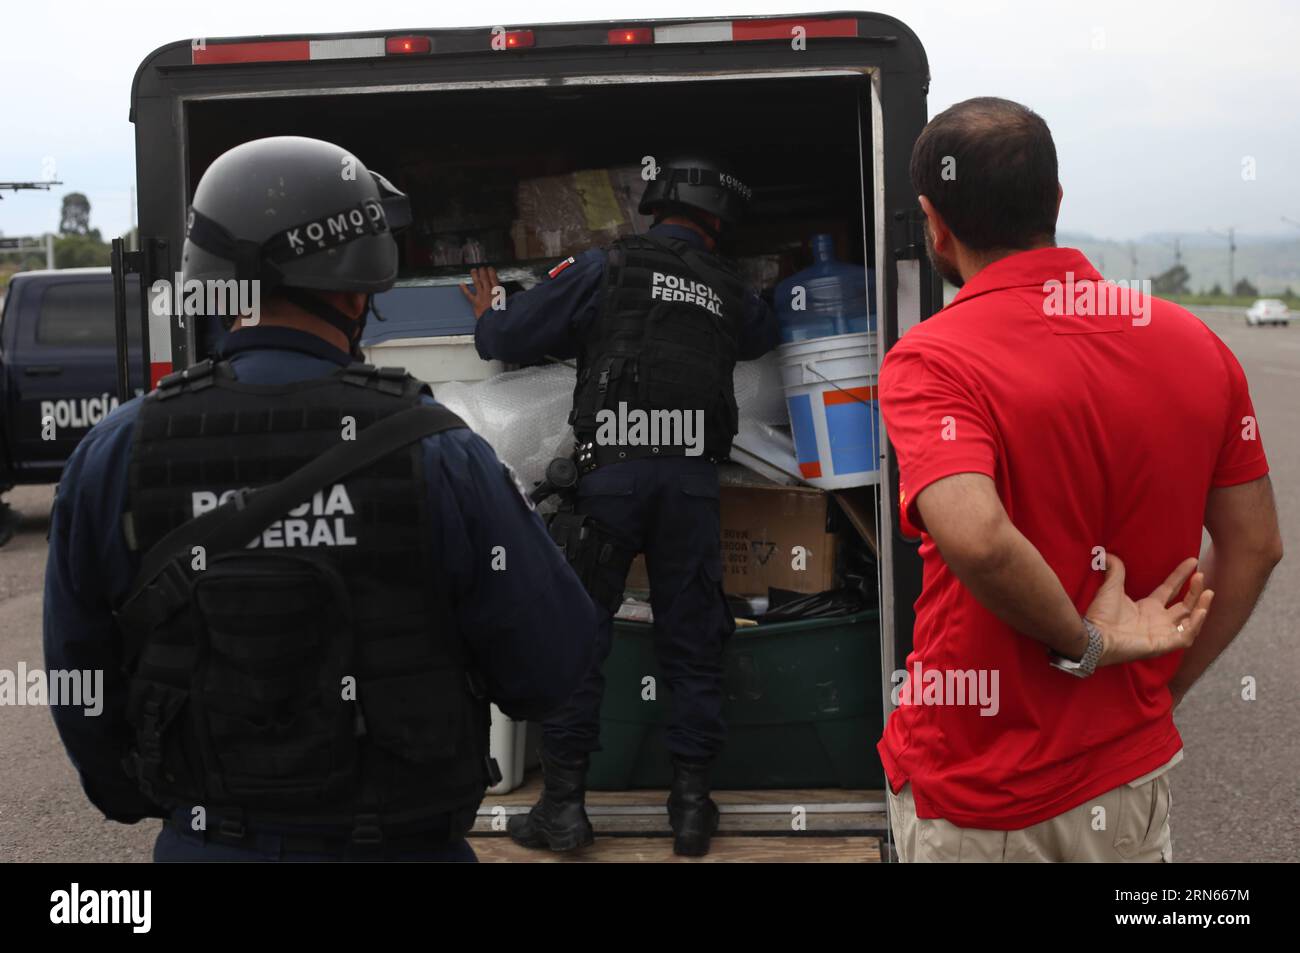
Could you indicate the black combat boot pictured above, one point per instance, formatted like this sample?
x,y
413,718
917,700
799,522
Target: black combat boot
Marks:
x,y
558,820
691,811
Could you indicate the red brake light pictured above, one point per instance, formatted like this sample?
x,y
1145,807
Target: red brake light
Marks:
x,y
407,44
517,39
631,35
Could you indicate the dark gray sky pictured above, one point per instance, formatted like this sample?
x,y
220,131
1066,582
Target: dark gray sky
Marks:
x,y
1157,107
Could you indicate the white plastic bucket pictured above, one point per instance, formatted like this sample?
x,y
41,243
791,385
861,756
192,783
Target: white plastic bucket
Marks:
x,y
831,396
506,743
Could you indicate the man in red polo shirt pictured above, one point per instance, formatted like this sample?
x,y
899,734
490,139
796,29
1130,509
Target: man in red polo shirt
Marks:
x,y
1061,442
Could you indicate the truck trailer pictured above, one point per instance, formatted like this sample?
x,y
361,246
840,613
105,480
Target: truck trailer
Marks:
x,y
821,110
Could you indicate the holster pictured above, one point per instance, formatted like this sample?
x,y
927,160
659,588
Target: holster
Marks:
x,y
598,554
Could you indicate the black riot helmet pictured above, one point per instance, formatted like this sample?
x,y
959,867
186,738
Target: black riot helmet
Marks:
x,y
295,213
689,185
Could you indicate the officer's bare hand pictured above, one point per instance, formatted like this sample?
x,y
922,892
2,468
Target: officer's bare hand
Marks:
x,y
480,289
1148,627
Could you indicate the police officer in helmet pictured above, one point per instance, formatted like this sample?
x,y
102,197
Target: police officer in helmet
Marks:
x,y
311,680
656,323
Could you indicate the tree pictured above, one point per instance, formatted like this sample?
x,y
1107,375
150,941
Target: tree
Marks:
x,y
1217,290
75,217
80,251
1245,289
1171,282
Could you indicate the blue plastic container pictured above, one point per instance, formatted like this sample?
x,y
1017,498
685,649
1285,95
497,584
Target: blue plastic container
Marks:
x,y
836,297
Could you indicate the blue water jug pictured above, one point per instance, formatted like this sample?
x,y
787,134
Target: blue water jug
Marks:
x,y
837,298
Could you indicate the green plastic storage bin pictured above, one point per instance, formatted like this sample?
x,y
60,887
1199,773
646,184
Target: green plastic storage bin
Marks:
x,y
802,706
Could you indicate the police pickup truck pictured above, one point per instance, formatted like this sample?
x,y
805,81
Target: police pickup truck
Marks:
x,y
58,374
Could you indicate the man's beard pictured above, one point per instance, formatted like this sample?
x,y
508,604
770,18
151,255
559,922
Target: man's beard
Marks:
x,y
945,267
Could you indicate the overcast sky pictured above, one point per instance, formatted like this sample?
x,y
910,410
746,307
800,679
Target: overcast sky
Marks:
x,y
1155,105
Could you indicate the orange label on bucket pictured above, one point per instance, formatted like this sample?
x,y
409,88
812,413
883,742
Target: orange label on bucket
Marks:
x,y
849,395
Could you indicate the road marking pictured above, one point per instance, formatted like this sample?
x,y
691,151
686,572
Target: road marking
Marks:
x,y
1275,369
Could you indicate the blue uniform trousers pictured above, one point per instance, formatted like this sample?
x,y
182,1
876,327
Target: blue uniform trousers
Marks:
x,y
666,508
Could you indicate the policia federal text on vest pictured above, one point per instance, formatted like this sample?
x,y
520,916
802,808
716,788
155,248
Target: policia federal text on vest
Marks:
x,y
665,339
311,679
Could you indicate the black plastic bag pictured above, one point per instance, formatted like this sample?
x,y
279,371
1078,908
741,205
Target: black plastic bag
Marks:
x,y
786,606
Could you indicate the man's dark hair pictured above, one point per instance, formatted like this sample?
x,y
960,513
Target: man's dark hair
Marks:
x,y
988,166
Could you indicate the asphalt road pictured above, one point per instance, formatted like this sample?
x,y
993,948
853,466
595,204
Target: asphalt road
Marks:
x,y
1235,795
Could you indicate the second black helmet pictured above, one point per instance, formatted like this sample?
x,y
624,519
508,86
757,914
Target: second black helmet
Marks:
x,y
696,183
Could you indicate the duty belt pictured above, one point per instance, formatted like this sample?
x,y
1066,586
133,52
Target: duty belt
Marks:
x,y
591,455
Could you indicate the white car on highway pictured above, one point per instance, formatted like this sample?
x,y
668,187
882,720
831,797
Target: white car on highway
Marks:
x,y
1268,311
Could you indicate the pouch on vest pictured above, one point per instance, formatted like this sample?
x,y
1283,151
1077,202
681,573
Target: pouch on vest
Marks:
x,y
273,650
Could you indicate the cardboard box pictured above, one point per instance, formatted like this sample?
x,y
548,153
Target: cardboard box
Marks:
x,y
761,526
565,214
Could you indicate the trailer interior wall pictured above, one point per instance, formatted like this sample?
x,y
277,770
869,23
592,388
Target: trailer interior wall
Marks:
x,y
795,140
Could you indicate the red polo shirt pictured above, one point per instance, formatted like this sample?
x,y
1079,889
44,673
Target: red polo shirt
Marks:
x,y
1104,419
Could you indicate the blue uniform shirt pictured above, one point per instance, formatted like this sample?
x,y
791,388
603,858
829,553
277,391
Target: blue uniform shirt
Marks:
x,y
551,318
530,627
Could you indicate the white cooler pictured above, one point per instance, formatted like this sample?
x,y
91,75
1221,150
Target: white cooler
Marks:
x,y
434,360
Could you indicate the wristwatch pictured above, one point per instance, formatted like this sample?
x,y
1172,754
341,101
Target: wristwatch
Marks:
x,y
1091,655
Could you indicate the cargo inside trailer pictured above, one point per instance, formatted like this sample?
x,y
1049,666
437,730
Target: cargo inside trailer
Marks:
x,y
476,161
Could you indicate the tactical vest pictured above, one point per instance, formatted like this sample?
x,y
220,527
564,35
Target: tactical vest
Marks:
x,y
665,340
316,677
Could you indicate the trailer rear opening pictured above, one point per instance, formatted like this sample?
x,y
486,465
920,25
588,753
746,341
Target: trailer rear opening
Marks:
x,y
466,122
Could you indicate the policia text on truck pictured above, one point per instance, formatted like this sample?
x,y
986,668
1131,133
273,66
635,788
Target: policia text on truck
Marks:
x,y
57,375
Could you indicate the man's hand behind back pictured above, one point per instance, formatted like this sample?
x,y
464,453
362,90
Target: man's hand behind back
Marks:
x,y
1151,626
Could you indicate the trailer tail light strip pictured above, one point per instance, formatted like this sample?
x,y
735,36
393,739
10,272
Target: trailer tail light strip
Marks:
x,y
784,29
709,31
203,53
732,31
160,345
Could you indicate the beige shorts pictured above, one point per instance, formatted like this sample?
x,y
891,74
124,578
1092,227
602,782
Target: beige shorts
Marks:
x,y
1125,825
